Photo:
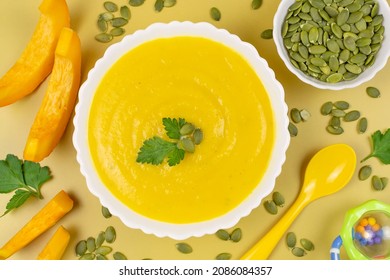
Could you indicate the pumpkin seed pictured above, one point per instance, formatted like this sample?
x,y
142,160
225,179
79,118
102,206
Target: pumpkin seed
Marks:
x,y
319,4
223,256
333,46
334,63
256,4
81,248
103,37
291,239
338,113
278,199
335,122
117,31
295,115
119,256
270,206
110,234
374,10
87,257
91,245
159,5
106,16
305,115
125,12
102,25
187,145
266,34
307,244
110,6
344,55
334,78
373,92
326,108
353,68
295,6
349,43
136,3
336,30
317,49
215,14
100,239
169,3
384,181
332,12
355,17
103,250
377,20
105,212
298,252
377,183
187,129
361,25
352,116
101,258
184,248
334,130
118,22
365,172
236,235
223,234
198,136
292,129
362,125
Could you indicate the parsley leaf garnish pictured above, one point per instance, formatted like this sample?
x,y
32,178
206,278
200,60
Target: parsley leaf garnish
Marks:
x,y
25,178
184,135
380,146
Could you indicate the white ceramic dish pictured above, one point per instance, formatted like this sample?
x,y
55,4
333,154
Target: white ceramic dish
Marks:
x,y
80,137
381,57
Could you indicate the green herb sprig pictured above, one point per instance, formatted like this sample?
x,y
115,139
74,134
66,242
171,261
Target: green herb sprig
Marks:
x,y
23,177
185,135
380,146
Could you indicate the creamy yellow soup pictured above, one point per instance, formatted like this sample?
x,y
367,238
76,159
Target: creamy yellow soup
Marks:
x,y
207,84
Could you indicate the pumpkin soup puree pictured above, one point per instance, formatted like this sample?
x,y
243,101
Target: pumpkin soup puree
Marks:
x,y
205,83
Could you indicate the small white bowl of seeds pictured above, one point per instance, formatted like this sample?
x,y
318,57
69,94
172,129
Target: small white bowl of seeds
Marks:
x,y
333,44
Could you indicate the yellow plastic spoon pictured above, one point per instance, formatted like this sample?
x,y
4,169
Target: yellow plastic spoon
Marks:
x,y
328,171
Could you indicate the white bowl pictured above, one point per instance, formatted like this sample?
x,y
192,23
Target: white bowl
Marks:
x,y
381,57
80,137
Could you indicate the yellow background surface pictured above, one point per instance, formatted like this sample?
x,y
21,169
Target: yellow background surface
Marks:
x,y
320,222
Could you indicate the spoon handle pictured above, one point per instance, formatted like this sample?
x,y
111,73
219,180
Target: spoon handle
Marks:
x,y
263,248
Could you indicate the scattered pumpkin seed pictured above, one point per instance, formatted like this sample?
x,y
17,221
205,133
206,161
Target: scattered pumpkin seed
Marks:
x,y
351,116
100,239
278,199
119,22
159,5
365,172
270,206
81,248
223,256
110,6
384,181
103,37
256,4
198,136
223,234
342,105
334,130
215,14
236,235
291,239
337,113
110,234
119,256
305,115
103,250
102,25
106,213
295,115
187,145
266,34
91,245
169,3
307,244
298,252
117,31
87,257
187,129
362,125
184,248
101,258
377,183
373,92
136,3
326,108
125,12
335,122
293,130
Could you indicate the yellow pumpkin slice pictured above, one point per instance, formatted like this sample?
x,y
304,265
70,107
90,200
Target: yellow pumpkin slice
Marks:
x,y
36,61
56,246
58,103
53,211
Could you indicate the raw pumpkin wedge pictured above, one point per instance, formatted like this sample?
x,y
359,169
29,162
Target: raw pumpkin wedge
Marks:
x,y
53,211
56,246
36,61
58,103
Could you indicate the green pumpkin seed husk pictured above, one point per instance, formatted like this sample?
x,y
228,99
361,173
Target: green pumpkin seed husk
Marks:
x,y
103,250
236,235
373,92
184,248
91,245
365,172
295,115
81,248
307,244
110,6
215,14
110,234
298,252
100,239
293,130
362,125
326,108
223,234
271,207
291,239
278,199
377,183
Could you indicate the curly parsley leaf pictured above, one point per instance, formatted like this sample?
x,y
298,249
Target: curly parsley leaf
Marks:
x,y
23,177
173,126
380,146
156,149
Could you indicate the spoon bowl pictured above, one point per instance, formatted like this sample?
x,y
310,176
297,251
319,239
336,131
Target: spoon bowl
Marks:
x,y
328,171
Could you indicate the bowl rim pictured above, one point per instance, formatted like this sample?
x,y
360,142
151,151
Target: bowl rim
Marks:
x,y
381,57
80,135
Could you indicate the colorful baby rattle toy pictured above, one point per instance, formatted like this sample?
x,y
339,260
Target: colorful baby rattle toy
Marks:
x,y
365,233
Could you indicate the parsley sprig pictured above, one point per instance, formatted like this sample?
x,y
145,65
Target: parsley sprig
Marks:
x,y
23,177
380,146
184,135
